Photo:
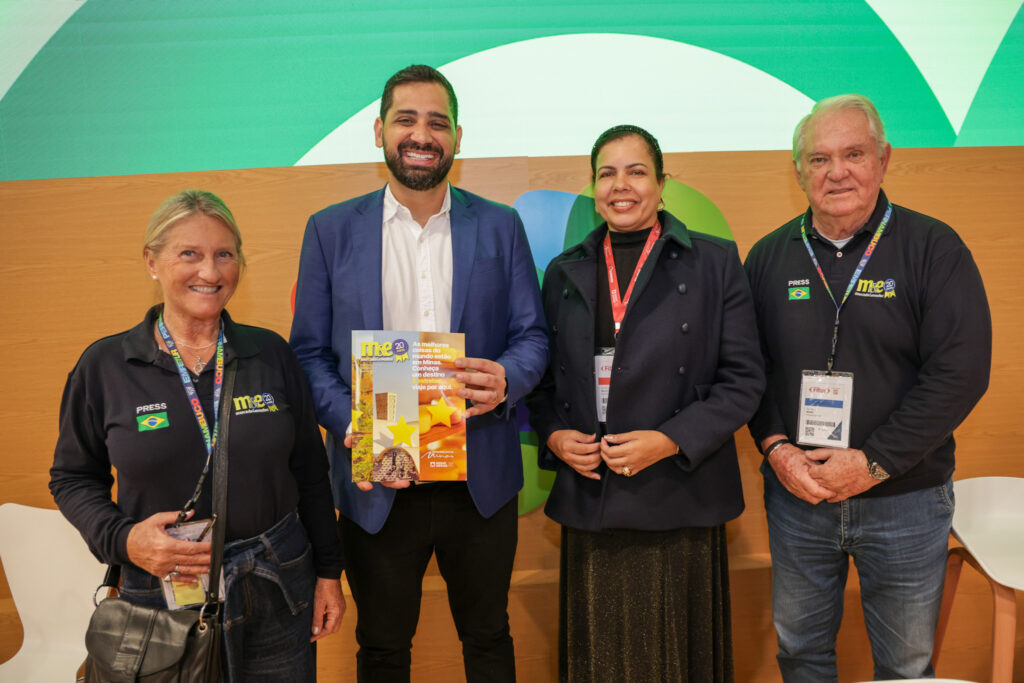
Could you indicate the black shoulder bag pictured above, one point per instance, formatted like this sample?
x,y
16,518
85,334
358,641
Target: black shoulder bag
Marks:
x,y
128,643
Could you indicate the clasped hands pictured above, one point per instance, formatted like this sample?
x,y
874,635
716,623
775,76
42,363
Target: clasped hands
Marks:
x,y
830,474
626,453
484,385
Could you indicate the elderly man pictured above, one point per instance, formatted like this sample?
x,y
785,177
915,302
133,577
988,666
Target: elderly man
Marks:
x,y
420,254
877,342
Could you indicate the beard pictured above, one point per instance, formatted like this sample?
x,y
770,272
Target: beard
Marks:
x,y
414,177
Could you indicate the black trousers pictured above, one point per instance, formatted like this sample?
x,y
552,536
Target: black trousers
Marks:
x,y
385,571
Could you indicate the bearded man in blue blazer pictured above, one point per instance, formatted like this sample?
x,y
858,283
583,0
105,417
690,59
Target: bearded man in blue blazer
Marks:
x,y
422,255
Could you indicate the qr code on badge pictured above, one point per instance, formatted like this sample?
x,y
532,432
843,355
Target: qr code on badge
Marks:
x,y
808,431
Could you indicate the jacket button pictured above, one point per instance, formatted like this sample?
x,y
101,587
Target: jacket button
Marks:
x,y
681,288
684,328
565,293
676,411
673,254
682,370
562,368
554,328
566,405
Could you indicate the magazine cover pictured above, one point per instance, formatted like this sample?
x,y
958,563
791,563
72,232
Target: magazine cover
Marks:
x,y
407,416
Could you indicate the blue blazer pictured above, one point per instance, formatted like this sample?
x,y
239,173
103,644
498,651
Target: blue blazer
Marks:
x,y
495,302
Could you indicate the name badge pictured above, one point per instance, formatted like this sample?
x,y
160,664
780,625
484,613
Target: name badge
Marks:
x,y
603,381
824,415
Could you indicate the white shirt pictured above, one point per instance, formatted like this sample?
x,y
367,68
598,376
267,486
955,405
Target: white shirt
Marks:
x,y
416,268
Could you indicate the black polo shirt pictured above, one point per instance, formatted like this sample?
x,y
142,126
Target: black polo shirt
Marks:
x,y
915,332
124,406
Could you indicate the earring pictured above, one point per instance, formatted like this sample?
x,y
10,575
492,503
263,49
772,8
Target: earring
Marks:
x,y
153,276
661,205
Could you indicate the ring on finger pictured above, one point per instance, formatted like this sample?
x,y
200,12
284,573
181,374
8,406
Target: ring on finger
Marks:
x,y
626,471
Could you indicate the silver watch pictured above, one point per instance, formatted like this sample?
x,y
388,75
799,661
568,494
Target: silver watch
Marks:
x,y
877,471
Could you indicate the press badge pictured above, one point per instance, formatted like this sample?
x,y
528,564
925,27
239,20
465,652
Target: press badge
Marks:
x,y
180,594
824,416
603,380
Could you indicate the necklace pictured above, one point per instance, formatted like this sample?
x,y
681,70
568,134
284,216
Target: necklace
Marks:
x,y
198,348
198,366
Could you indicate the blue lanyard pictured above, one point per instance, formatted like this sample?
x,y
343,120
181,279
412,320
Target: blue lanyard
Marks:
x,y
853,280
209,438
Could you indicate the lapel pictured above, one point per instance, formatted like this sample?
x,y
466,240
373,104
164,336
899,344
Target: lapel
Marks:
x,y
368,247
581,268
672,229
580,271
465,229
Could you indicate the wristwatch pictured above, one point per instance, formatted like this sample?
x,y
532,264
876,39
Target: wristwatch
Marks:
x,y
877,471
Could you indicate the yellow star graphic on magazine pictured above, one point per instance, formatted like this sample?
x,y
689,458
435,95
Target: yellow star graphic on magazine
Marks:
x,y
441,413
402,432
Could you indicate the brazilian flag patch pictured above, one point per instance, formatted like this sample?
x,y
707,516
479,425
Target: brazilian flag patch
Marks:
x,y
148,423
799,293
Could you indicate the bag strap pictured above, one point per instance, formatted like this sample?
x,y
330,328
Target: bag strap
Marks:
x,y
220,484
220,496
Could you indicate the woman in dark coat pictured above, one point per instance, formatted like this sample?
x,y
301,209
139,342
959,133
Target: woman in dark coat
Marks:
x,y
655,364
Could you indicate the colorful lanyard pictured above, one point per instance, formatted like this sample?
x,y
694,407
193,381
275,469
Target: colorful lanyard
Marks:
x,y
853,281
209,440
619,303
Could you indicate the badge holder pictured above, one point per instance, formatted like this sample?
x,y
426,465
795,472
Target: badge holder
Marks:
x,y
824,416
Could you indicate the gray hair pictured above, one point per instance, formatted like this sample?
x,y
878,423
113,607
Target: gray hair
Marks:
x,y
182,205
829,105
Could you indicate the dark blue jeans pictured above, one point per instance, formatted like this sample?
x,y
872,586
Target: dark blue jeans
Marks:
x,y
268,609
899,546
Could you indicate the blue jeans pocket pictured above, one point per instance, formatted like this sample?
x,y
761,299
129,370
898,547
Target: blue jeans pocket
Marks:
x,y
140,587
946,497
297,580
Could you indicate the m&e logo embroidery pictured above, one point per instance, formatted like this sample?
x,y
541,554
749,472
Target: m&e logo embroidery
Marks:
x,y
877,289
148,423
257,403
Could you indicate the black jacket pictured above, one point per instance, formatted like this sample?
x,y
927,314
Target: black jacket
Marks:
x,y
687,363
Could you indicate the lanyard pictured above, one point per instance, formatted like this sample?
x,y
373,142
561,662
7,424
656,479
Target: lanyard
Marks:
x,y
853,280
209,440
619,303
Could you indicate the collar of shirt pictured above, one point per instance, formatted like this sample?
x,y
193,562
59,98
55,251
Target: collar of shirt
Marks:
x,y
881,204
416,267
140,344
395,210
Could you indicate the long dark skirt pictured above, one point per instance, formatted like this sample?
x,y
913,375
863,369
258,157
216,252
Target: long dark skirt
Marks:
x,y
638,606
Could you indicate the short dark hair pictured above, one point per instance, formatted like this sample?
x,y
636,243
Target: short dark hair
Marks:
x,y
624,131
418,73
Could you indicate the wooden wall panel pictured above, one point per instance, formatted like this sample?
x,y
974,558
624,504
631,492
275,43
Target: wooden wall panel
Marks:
x,y
72,272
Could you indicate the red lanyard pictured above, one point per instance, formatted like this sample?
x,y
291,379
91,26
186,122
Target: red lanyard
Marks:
x,y
619,303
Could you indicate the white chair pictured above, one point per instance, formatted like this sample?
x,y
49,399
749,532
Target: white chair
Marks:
x,y
989,521
52,576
